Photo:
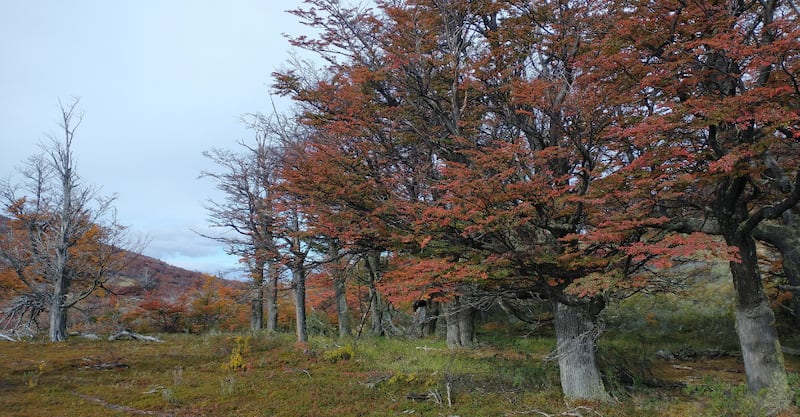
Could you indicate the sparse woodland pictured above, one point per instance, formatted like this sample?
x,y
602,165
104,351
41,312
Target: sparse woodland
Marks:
x,y
599,200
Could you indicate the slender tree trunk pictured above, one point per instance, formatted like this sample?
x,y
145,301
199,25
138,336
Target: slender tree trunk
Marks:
x,y
376,303
576,338
342,313
299,285
340,290
271,297
459,318
257,299
256,310
755,325
375,311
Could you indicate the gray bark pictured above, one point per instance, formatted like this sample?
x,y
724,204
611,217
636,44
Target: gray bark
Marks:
x,y
271,297
257,298
256,308
376,303
459,318
342,313
58,313
576,337
339,289
761,352
755,326
433,318
419,324
299,288
375,311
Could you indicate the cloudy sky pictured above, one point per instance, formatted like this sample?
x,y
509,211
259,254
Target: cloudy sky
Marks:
x,y
159,81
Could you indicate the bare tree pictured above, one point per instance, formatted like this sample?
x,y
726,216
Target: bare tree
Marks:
x,y
246,215
63,242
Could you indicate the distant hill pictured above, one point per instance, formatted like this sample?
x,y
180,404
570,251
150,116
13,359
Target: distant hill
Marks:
x,y
144,273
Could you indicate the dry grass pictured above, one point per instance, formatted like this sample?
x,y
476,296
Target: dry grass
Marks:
x,y
188,376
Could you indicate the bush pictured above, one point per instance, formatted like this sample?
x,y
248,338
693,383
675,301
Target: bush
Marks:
x,y
341,353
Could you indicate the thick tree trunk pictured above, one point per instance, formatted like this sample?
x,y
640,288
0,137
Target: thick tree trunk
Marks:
x,y
459,317
755,325
299,285
433,317
256,308
576,338
271,297
342,313
420,322
58,312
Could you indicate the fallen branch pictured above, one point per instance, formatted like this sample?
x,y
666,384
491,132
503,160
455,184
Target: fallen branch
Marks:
x,y
126,335
108,365
790,351
124,408
7,338
430,395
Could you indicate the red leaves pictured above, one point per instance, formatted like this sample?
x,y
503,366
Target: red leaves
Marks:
x,y
559,145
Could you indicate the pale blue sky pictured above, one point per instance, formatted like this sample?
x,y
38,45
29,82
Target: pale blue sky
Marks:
x,y
160,81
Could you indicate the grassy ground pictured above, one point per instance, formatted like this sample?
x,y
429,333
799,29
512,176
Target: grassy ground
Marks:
x,y
228,375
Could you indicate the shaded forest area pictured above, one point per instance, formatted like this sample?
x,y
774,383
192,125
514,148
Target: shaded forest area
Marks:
x,y
454,166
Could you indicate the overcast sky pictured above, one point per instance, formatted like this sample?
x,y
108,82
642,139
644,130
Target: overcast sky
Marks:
x,y
159,81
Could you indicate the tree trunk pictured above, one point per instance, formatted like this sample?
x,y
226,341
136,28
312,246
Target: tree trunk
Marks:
x,y
272,299
419,324
459,317
342,313
376,303
256,309
339,290
257,299
58,312
433,317
576,339
375,311
755,325
299,285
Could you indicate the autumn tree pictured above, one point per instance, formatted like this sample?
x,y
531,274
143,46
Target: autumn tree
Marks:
x,y
351,167
213,305
708,143
63,242
160,313
568,149
421,105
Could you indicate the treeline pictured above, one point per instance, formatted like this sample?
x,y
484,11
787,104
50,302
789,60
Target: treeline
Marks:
x,y
570,151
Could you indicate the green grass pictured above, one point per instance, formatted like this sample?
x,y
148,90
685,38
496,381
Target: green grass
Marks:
x,y
187,375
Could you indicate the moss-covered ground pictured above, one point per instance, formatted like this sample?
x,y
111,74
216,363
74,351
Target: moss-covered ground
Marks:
x,y
259,375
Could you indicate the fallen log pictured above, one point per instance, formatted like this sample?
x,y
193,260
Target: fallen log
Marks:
x,y
127,335
7,338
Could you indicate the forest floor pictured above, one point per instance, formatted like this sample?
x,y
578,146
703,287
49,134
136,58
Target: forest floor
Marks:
x,y
260,375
